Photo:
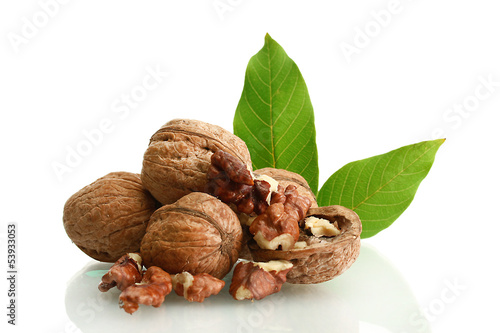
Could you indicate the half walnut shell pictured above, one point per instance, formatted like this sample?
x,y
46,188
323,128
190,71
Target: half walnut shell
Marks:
x,y
177,159
322,258
197,234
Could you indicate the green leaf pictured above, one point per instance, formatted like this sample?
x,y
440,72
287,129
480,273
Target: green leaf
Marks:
x,y
275,117
380,188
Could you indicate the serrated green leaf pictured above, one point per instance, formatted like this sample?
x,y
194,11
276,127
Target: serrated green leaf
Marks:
x,y
275,117
380,188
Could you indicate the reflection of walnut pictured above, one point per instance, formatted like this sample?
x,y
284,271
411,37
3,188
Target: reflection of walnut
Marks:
x,y
154,286
320,259
258,280
278,226
109,217
124,273
196,288
285,178
230,180
197,234
177,159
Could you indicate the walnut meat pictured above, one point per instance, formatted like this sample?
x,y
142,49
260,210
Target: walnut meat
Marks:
x,y
177,159
256,280
195,288
318,259
285,178
108,218
231,181
278,226
197,234
154,286
124,273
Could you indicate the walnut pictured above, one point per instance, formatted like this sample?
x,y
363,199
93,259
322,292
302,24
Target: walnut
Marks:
x,y
197,234
318,259
124,273
321,227
278,226
285,178
196,288
256,280
154,286
232,182
108,218
177,159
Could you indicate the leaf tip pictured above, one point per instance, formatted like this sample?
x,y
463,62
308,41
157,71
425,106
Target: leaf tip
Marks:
x,y
268,38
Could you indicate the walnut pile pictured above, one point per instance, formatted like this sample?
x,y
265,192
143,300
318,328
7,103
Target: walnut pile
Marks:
x,y
321,243
196,209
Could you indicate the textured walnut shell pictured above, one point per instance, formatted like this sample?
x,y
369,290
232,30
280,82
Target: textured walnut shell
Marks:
x,y
285,178
323,258
178,157
108,218
198,234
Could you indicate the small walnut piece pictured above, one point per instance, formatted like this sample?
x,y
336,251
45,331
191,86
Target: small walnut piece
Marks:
x,y
256,280
196,234
321,227
273,185
196,288
231,181
154,286
278,226
320,259
124,273
177,159
109,217
285,178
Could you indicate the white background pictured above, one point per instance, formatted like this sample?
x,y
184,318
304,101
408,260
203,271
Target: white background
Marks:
x,y
70,73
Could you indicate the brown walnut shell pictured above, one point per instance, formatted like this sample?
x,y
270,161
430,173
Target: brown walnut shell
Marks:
x,y
177,159
285,178
108,218
324,257
198,234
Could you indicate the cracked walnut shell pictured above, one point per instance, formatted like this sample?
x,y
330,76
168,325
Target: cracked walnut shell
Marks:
x,y
108,218
177,159
321,258
198,234
285,178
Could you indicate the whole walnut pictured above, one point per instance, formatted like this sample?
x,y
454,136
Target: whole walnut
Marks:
x,y
197,234
177,159
108,218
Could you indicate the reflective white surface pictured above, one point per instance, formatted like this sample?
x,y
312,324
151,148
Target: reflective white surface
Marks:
x,y
370,296
405,85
